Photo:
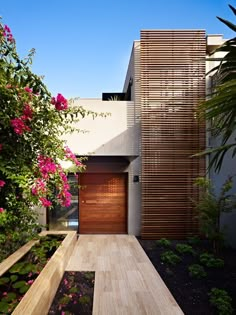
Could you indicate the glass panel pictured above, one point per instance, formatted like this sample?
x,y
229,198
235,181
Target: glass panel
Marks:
x,y
62,218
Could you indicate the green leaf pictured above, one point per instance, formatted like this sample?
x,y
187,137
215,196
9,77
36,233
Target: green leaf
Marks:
x,y
11,296
233,9
4,307
13,278
18,284
4,280
74,290
24,289
229,24
17,267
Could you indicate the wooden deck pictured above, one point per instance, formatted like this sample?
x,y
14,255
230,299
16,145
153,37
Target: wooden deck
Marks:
x,y
125,280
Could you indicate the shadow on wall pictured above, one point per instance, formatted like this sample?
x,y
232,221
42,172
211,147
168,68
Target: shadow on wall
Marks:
x,y
125,144
228,220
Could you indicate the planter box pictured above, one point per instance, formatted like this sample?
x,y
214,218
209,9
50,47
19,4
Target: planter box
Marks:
x,y
39,297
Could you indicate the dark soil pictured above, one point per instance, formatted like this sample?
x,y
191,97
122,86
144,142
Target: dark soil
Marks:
x,y
192,294
75,294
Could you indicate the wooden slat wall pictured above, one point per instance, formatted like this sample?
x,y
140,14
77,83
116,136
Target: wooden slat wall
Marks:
x,y
103,203
172,84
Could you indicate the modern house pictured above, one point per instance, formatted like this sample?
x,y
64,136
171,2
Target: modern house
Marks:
x,y
140,170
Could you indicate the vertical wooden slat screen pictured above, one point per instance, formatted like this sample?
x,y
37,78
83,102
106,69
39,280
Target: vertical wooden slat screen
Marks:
x,y
172,84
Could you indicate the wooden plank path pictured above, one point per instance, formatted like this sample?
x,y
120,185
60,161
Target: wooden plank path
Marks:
x,y
125,280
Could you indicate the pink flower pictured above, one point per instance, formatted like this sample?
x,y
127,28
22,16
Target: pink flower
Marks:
x,y
28,112
60,102
2,183
46,166
27,89
7,29
19,125
45,202
1,210
39,187
4,294
65,282
7,34
70,155
30,282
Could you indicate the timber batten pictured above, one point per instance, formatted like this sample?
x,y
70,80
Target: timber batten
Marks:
x,y
172,69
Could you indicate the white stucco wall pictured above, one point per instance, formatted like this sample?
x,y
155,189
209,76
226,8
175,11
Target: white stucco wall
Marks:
x,y
113,135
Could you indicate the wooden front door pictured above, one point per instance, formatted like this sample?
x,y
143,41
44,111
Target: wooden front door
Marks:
x,y
103,203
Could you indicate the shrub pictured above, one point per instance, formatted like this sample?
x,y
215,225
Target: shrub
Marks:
x,y
197,271
170,257
163,242
211,261
184,249
210,206
194,240
32,125
221,300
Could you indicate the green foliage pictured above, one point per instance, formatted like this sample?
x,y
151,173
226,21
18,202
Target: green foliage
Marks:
x,y
184,249
221,300
84,299
4,307
170,257
64,300
32,125
211,261
197,271
89,275
163,242
16,282
74,290
210,206
194,240
220,109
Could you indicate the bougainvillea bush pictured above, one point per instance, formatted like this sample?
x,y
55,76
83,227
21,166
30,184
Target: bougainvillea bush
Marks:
x,y
32,123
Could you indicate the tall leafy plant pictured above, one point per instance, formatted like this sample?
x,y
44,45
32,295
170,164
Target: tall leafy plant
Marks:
x,y
220,109
210,208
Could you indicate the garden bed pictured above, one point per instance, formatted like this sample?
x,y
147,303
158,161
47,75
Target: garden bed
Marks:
x,y
38,298
191,293
75,294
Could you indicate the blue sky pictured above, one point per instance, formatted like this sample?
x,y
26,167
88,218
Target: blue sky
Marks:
x,y
83,47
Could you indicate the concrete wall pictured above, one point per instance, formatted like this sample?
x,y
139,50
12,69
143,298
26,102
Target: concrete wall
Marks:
x,y
133,73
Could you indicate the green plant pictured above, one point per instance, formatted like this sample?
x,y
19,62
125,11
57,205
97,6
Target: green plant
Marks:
x,y
184,249
209,208
32,149
170,257
84,299
220,108
163,242
197,271
221,300
18,279
211,261
75,294
193,240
